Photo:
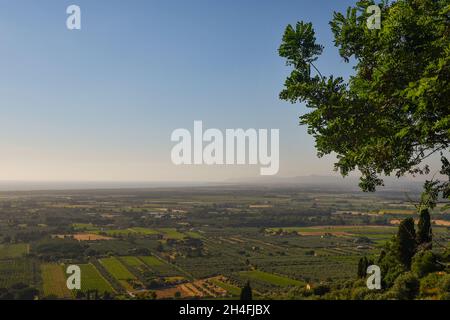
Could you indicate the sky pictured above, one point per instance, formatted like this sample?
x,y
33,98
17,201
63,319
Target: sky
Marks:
x,y
100,103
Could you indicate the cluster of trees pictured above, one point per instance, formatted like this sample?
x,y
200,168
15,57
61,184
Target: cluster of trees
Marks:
x,y
18,291
93,295
390,116
409,269
408,257
57,249
29,236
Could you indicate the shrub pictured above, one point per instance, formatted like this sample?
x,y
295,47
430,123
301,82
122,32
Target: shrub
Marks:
x,y
423,263
321,289
445,283
406,286
429,286
360,293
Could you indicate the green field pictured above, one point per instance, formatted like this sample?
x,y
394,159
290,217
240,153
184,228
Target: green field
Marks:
x,y
168,233
116,269
116,232
397,211
349,229
91,279
270,278
129,231
119,271
132,261
160,268
11,251
151,261
171,233
16,271
144,231
194,234
84,227
54,281
232,290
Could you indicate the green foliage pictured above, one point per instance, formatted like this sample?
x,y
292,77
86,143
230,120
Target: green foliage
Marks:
x,y
435,286
321,289
54,249
299,293
406,287
360,293
424,262
406,242
433,188
363,263
430,285
424,232
389,264
445,283
394,111
337,294
393,271
246,292
18,291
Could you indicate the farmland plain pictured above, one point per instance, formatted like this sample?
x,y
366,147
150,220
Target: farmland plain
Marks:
x,y
196,242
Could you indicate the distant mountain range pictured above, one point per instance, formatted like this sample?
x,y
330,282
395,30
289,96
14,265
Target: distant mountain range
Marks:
x,y
313,181
351,183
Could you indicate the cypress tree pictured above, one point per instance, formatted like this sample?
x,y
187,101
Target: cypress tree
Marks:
x,y
360,263
246,292
406,242
362,267
424,233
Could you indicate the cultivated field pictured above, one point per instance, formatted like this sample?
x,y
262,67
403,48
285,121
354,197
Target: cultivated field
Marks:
x,y
91,279
11,251
117,269
203,243
16,271
272,279
54,281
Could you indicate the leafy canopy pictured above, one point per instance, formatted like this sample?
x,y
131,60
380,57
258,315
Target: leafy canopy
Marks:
x,y
394,112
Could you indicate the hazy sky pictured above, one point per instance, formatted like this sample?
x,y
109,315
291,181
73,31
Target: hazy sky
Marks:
x,y
100,103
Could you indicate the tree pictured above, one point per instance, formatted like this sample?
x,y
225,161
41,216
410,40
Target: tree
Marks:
x,y
424,233
79,295
246,292
389,263
107,296
321,289
406,242
28,293
393,113
362,267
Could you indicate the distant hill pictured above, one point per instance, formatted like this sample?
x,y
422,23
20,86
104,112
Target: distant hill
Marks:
x,y
313,181
350,183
